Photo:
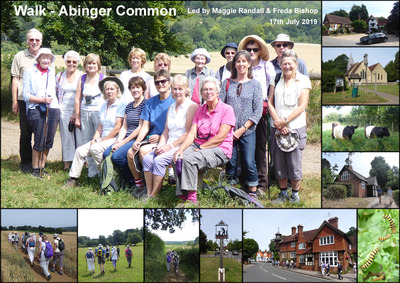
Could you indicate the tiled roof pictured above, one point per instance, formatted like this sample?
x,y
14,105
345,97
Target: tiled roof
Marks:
x,y
372,67
308,235
371,180
358,175
337,19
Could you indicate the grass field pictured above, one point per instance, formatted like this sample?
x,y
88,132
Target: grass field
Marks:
x,y
346,98
345,203
123,273
209,269
360,143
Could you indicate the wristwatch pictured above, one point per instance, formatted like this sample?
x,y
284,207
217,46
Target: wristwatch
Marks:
x,y
197,145
286,120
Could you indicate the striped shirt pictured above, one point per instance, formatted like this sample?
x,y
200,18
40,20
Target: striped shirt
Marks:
x,y
133,116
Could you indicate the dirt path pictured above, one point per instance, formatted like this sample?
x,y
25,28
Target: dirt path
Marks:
x,y
374,203
171,277
38,271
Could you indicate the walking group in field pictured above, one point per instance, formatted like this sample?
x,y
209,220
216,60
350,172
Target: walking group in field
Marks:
x,y
43,249
104,254
172,259
238,116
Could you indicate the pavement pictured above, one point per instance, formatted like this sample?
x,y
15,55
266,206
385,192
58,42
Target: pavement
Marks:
x,y
347,277
385,203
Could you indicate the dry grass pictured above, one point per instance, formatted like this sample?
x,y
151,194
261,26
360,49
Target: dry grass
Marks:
x,y
345,203
13,267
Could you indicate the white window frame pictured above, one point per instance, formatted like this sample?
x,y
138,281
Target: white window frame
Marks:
x,y
345,176
292,254
302,246
328,240
293,244
302,259
363,185
330,257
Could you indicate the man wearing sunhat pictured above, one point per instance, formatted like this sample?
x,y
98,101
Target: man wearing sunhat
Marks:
x,y
23,61
228,52
280,44
264,72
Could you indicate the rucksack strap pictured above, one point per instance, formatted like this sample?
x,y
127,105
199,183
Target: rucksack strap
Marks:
x,y
221,71
83,80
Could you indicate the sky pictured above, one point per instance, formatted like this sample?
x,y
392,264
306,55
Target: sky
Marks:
x,y
375,54
189,231
375,8
328,110
232,217
263,224
35,217
95,222
361,160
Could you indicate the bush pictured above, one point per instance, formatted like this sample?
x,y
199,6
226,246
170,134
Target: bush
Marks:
x,y
334,192
349,190
396,197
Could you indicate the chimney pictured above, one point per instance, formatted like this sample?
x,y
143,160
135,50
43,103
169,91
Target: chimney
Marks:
x,y
293,230
300,231
334,222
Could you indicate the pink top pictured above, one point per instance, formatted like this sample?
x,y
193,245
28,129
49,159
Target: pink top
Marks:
x,y
222,115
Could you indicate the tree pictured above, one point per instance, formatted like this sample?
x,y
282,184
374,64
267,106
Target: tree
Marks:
x,y
340,13
112,36
118,237
9,22
380,169
168,219
393,20
358,13
102,240
133,238
393,178
203,242
250,248
352,231
359,25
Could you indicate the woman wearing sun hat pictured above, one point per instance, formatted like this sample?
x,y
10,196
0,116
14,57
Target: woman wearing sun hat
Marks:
x,y
280,44
228,52
111,117
200,58
39,93
264,72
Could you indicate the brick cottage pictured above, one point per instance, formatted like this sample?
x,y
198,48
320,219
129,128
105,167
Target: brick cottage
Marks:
x,y
308,249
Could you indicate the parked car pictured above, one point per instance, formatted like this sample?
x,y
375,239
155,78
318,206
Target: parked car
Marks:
x,y
235,253
374,38
216,253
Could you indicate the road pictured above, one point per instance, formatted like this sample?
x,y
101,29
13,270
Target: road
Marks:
x,y
354,40
265,272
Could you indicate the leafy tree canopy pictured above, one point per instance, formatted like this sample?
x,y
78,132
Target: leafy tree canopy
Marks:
x,y
393,20
340,13
168,219
380,169
359,13
250,248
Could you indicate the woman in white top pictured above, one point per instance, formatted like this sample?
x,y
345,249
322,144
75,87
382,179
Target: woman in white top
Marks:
x,y
30,246
90,258
114,257
44,261
88,101
179,120
66,85
161,62
136,59
287,103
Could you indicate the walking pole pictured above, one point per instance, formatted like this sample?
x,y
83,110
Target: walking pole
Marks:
x,y
268,167
45,138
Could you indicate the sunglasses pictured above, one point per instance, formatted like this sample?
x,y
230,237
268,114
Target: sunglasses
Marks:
x,y
239,89
284,45
255,50
34,39
71,62
230,53
164,81
163,65
206,137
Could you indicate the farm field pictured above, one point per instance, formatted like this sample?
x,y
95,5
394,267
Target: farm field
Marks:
x,y
360,143
15,265
123,273
209,269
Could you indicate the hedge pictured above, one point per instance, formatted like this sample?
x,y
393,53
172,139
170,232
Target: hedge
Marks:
x,y
334,192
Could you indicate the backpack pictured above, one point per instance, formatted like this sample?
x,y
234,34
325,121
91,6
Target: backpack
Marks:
x,y
110,178
83,80
48,252
176,258
99,253
89,254
169,258
31,243
16,238
61,245
239,194
129,252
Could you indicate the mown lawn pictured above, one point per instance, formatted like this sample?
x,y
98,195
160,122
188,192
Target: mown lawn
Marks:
x,y
360,143
24,190
346,98
209,269
123,273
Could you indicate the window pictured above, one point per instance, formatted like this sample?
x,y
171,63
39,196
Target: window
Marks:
x,y
345,176
362,185
328,257
302,246
329,240
292,254
292,244
349,246
302,259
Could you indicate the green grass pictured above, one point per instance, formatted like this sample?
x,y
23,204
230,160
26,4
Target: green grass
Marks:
x,y
123,273
389,89
360,143
24,190
209,269
339,98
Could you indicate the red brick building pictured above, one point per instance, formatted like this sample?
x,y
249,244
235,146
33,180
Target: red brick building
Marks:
x,y
309,248
362,186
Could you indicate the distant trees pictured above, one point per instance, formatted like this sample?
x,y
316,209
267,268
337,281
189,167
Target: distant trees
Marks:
x,y
203,242
130,236
331,70
359,13
393,19
392,69
340,13
380,169
250,248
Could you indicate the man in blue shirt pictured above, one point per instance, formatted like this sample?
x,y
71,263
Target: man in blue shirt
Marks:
x,y
99,252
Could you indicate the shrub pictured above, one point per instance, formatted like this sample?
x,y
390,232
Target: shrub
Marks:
x,y
396,197
349,190
334,192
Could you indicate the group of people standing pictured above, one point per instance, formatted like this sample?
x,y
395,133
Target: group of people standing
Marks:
x,y
45,251
103,254
202,119
172,258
